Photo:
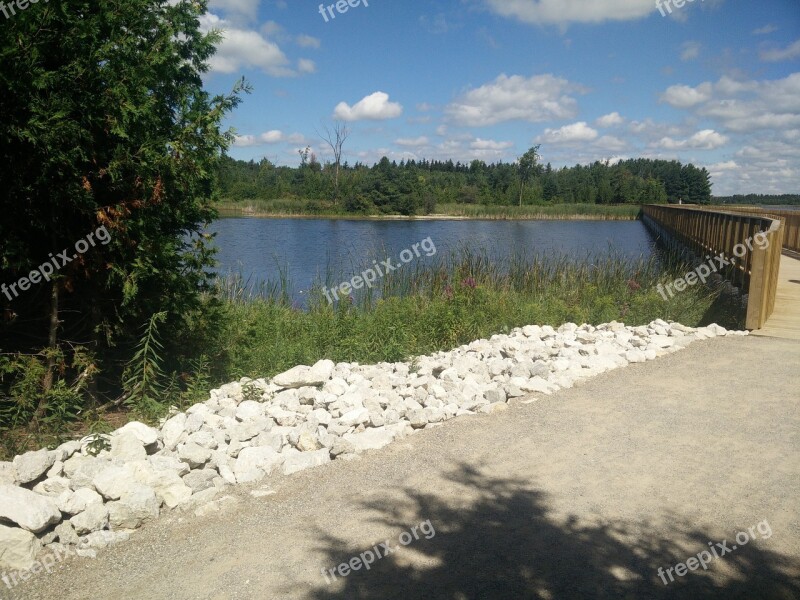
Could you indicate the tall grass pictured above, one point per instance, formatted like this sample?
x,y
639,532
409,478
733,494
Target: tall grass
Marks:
x,y
555,211
424,308
290,207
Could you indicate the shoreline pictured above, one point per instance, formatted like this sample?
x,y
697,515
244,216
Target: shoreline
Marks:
x,y
234,212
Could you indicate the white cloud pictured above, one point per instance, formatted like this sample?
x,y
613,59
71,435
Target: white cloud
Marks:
x,y
777,55
420,141
235,8
533,99
690,50
305,65
307,41
479,144
610,120
765,30
273,136
562,12
752,105
719,168
610,143
373,107
707,139
437,24
568,134
683,96
243,49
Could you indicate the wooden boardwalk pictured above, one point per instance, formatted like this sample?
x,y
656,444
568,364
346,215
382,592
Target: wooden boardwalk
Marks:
x,y
785,319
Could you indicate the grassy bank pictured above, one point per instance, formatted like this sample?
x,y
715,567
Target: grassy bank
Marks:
x,y
440,307
318,209
257,331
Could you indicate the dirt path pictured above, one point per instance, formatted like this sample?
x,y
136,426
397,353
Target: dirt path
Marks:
x,y
583,494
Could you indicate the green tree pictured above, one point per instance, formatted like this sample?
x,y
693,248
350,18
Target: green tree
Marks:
x,y
527,166
106,124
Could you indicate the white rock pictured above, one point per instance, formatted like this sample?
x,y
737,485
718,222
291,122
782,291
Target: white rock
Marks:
x,y
355,417
126,445
168,463
173,431
72,503
136,507
635,356
204,439
254,464
302,376
144,433
32,465
53,486
168,486
66,534
94,518
86,470
249,409
224,503
27,509
300,461
114,481
193,455
102,539
371,439
308,442
200,480
8,473
18,548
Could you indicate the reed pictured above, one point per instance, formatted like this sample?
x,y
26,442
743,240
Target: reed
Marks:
x,y
452,300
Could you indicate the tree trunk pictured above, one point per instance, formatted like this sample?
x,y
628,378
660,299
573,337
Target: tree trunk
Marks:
x,y
52,341
336,184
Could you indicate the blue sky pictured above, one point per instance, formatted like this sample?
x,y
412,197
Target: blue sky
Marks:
x,y
714,82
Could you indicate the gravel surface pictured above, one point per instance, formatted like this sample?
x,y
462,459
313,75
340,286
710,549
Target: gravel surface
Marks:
x,y
582,494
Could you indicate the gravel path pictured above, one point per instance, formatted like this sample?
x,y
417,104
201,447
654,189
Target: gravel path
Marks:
x,y
582,494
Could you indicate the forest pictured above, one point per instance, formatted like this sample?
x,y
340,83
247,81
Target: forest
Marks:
x,y
775,199
417,187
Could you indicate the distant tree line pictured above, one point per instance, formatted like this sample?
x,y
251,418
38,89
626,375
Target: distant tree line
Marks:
x,y
417,186
778,199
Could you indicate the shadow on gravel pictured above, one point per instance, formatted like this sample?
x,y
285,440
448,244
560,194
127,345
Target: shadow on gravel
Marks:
x,y
505,546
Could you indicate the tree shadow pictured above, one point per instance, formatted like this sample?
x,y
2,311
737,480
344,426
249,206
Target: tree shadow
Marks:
x,y
504,544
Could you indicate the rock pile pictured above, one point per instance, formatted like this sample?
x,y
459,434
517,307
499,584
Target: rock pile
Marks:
x,y
305,417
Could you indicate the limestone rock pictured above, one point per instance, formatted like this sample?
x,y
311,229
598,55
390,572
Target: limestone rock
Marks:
x,y
136,507
18,548
254,464
303,376
305,460
32,465
94,518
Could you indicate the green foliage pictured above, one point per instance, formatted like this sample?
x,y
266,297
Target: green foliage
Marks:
x,y
23,377
414,186
105,124
453,301
252,392
143,377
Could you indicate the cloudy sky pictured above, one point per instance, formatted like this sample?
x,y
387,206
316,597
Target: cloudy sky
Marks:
x,y
714,82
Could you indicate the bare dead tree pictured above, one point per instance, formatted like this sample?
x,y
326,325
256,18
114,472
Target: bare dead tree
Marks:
x,y
335,139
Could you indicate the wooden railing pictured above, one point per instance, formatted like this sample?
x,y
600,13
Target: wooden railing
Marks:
x,y
791,218
752,243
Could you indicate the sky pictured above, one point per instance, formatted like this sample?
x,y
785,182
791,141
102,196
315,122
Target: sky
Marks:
x,y
711,82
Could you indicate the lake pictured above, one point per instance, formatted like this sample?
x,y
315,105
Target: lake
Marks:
x,y
306,249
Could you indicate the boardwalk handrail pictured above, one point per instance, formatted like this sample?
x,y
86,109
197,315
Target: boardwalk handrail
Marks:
x,y
711,232
791,218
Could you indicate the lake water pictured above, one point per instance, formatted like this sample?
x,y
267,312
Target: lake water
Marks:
x,y
305,249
